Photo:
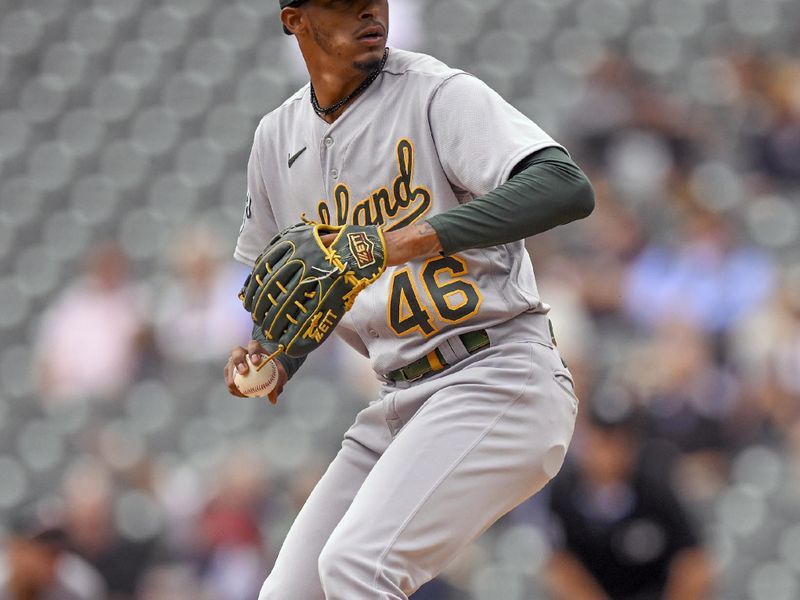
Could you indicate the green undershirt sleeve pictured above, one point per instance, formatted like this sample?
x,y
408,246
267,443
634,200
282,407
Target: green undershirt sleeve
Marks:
x,y
545,190
290,364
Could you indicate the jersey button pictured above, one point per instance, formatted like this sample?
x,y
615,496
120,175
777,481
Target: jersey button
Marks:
x,y
334,173
329,141
373,333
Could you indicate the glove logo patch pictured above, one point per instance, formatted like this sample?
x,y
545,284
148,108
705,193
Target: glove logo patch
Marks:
x,y
363,249
320,326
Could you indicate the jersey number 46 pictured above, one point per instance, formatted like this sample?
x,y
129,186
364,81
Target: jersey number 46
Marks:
x,y
453,298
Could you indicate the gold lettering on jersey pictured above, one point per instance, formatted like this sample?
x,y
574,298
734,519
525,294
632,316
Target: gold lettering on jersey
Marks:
x,y
321,326
394,206
363,249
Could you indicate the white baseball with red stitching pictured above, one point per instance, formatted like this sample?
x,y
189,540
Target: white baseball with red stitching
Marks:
x,y
260,379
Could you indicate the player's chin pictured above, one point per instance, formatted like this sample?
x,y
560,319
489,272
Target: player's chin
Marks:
x,y
368,53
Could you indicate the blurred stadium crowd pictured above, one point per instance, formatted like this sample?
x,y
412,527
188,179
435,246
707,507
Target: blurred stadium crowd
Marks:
x,y
125,127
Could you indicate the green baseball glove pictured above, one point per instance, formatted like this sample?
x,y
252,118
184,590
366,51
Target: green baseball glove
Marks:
x,y
299,290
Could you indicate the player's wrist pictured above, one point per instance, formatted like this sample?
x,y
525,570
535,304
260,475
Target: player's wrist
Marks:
x,y
415,241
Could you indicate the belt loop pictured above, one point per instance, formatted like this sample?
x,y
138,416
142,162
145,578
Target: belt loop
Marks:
x,y
448,352
458,348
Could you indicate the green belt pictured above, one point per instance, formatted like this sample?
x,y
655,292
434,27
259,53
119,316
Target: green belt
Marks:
x,y
473,341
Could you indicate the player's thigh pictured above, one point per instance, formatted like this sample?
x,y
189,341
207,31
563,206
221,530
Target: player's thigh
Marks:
x,y
488,438
295,574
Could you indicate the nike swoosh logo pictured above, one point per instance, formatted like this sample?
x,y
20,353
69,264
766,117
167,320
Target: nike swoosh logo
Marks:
x,y
296,156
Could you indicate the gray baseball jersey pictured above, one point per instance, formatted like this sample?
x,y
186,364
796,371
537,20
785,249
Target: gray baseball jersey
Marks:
x,y
432,463
399,154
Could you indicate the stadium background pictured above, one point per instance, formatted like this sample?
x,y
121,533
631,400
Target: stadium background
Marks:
x,y
125,127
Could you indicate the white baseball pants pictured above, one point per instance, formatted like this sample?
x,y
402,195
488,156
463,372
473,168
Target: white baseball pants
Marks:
x,y
425,470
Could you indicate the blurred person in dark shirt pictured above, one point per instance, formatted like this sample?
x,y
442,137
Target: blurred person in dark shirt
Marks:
x,y
91,532
687,396
625,535
690,404
37,566
436,589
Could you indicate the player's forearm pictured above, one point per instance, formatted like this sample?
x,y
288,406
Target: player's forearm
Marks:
x,y
552,190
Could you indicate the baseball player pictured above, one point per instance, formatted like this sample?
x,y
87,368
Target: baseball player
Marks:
x,y
477,408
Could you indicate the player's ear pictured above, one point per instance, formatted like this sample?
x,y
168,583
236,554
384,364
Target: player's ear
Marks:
x,y
292,19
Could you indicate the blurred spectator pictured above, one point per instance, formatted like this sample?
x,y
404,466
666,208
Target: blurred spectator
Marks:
x,y
198,316
91,532
37,566
776,147
625,534
766,352
232,549
689,404
621,120
612,239
705,277
767,344
603,109
687,397
438,589
90,339
172,582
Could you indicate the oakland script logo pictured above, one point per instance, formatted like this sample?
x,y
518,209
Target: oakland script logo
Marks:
x,y
394,206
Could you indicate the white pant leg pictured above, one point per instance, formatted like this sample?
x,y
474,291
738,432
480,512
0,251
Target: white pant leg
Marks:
x,y
491,431
295,574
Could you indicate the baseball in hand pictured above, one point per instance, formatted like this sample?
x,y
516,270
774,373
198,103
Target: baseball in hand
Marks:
x,y
260,380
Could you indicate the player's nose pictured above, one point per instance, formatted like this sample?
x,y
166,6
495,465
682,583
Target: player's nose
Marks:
x,y
369,9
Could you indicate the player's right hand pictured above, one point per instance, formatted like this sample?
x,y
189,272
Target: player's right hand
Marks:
x,y
237,361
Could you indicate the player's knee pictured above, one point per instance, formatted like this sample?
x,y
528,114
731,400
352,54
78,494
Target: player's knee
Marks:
x,y
338,565
553,460
331,565
347,571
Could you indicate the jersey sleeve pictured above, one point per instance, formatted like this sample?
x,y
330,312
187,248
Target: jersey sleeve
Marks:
x,y
478,135
258,222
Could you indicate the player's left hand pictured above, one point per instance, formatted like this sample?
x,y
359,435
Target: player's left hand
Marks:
x,y
304,282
